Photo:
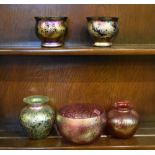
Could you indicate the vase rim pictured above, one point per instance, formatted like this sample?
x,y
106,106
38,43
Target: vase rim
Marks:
x,y
102,18
122,105
36,100
51,18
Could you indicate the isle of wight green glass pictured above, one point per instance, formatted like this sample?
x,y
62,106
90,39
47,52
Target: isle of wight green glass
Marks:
x,y
37,117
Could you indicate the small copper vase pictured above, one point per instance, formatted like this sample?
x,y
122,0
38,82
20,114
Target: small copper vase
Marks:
x,y
102,30
51,30
122,120
80,124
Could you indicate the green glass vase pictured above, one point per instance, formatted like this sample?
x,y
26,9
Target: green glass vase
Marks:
x,y
37,117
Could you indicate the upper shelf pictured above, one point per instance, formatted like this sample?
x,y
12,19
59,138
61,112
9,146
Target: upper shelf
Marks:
x,y
76,49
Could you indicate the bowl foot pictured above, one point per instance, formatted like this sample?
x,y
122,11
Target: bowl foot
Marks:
x,y
102,44
52,44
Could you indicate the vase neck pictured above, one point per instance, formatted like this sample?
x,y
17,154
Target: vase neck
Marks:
x,y
36,100
122,106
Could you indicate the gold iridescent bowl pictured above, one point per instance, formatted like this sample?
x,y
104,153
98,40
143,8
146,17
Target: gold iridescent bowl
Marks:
x,y
51,30
80,124
102,30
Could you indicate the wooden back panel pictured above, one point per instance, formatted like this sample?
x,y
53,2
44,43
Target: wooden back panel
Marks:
x,y
136,22
102,79
70,79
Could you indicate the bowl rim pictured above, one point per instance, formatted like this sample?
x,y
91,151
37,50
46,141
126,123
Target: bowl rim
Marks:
x,y
53,18
102,18
59,114
95,106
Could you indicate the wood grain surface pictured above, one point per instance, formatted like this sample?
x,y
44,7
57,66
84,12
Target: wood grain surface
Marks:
x,y
91,79
79,50
136,22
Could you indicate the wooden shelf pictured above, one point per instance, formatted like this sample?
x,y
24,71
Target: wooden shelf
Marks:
x,y
13,137
74,49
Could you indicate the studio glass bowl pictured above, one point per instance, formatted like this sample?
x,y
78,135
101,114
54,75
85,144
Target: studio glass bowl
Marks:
x,y
80,124
51,30
102,30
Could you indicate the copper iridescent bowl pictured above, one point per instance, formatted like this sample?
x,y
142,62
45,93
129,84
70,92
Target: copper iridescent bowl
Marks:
x,y
122,120
80,124
51,30
102,30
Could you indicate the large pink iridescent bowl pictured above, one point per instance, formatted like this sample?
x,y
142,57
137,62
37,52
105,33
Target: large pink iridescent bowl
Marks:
x,y
81,123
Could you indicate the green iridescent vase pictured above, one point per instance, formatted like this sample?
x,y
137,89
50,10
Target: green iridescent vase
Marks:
x,y
37,117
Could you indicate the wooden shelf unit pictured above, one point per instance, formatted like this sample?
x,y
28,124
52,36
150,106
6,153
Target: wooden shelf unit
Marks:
x,y
77,72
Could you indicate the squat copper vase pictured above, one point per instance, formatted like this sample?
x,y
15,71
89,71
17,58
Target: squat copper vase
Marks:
x,y
122,120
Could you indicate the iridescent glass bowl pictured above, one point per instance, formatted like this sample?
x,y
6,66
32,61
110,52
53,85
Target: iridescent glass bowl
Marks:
x,y
102,30
79,124
51,30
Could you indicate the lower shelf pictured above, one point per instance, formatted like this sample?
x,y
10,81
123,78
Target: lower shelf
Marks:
x,y
12,137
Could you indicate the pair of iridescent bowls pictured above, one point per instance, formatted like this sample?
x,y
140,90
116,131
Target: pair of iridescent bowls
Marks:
x,y
52,30
78,123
